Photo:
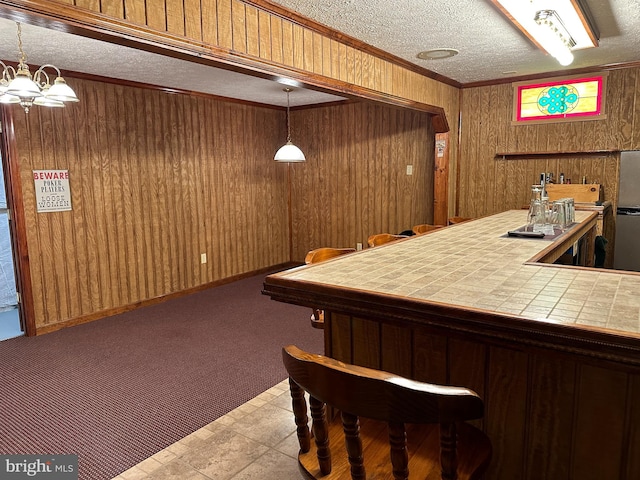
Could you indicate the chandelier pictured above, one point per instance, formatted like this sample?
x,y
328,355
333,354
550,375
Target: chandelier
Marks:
x,y
18,86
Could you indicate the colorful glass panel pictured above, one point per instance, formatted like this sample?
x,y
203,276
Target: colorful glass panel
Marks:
x,y
563,99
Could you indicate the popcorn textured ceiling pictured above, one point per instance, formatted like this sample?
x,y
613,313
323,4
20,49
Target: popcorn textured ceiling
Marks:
x,y
489,45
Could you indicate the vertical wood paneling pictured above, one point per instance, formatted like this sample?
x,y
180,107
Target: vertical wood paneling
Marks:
x,y
366,351
225,24
239,29
175,16
396,339
552,397
598,434
506,405
135,11
269,41
193,19
340,336
287,43
633,435
112,8
430,358
298,47
157,14
156,180
356,168
209,22
93,5
489,185
276,39
253,38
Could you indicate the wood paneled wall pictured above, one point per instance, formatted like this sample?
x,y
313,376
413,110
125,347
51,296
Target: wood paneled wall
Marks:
x,y
488,184
156,180
253,34
354,182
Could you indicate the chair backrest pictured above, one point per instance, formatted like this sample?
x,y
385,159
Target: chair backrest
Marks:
x,y
382,238
425,227
325,253
374,394
454,220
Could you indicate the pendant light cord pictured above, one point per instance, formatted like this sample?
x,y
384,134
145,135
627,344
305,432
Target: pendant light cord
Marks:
x,y
288,121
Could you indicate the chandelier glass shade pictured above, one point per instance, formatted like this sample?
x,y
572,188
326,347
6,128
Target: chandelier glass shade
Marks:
x,y
17,85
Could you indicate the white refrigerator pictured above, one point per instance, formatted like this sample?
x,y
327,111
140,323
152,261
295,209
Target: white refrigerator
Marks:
x,y
626,254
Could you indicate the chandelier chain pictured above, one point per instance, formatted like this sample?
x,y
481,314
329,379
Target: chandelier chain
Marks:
x,y
23,56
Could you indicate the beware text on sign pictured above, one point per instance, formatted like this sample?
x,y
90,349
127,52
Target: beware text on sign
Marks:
x,y
52,190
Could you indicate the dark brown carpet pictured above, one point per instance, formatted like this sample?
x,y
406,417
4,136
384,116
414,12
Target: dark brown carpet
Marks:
x,y
118,390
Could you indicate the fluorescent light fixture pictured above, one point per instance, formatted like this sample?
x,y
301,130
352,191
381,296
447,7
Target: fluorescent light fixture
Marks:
x,y
555,26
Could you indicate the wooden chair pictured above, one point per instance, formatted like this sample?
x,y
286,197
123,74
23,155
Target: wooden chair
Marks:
x,y
401,425
454,220
320,255
425,227
382,238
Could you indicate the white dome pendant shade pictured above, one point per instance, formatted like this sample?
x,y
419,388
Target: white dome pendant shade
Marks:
x,y
289,152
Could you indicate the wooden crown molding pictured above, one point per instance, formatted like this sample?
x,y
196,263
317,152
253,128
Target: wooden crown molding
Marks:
x,y
70,19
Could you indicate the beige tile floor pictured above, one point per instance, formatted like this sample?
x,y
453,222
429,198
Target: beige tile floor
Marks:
x,y
256,440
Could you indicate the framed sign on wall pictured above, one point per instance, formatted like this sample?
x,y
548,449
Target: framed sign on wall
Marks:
x,y
559,100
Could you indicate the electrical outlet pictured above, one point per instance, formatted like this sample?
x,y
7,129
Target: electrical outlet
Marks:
x,y
409,169
358,246
203,258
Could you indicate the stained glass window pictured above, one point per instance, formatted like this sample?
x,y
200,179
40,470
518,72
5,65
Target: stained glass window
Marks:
x,y
563,99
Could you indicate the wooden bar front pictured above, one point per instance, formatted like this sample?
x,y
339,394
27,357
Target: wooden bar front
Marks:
x,y
553,350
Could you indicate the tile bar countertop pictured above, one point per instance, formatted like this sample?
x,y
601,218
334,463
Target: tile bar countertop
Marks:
x,y
474,274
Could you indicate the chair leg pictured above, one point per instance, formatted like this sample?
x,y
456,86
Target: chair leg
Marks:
x,y
300,413
399,455
448,460
351,427
321,434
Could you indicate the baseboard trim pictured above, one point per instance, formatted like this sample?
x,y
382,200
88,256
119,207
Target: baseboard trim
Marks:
x,y
43,329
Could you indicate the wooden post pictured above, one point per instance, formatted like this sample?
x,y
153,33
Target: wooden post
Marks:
x,y
441,180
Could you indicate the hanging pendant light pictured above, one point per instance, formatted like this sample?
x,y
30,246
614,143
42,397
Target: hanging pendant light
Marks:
x,y
18,86
289,152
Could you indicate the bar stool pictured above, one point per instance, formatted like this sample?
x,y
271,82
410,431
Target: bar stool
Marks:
x,y
316,256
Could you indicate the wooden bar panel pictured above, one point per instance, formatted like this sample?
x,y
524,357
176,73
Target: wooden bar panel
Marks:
x,y
633,435
340,335
598,433
552,397
506,398
430,358
366,340
396,339
209,22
